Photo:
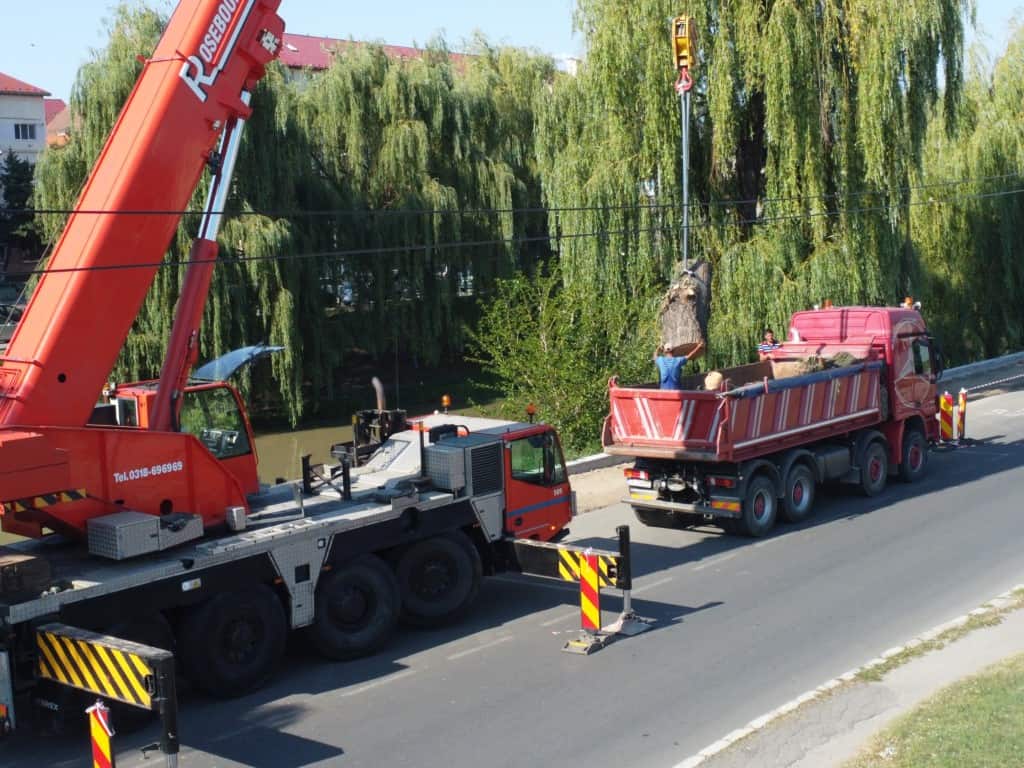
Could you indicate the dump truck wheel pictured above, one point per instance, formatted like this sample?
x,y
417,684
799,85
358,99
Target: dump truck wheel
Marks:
x,y
234,641
357,607
874,468
438,579
914,458
798,503
759,507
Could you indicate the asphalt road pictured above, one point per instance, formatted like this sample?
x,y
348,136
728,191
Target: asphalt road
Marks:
x,y
742,627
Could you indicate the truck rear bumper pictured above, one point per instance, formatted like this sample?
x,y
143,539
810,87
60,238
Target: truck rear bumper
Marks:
x,y
638,502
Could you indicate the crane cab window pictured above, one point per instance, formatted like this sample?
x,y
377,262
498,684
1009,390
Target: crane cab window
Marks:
x,y
212,415
537,459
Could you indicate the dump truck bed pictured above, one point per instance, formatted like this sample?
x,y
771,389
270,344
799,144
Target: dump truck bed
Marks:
x,y
760,417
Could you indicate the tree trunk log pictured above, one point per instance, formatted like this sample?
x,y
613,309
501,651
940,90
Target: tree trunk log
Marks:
x,y
683,317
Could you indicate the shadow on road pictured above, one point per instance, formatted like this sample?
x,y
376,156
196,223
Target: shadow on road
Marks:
x,y
247,730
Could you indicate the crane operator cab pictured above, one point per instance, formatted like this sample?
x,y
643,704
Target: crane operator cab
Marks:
x,y
211,409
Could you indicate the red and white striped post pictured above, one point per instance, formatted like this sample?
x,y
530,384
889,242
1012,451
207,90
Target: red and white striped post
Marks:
x,y
961,415
946,417
590,592
100,734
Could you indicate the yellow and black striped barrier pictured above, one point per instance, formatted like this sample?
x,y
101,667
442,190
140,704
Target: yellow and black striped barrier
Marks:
x,y
114,669
594,570
570,564
106,666
47,500
562,561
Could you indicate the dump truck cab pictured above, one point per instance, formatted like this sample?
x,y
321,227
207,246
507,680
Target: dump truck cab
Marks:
x,y
897,336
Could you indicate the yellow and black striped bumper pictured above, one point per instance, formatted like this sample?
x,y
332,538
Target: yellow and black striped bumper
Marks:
x,y
47,500
115,669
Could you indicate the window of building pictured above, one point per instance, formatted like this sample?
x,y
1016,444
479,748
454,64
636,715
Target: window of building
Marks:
x,y
25,131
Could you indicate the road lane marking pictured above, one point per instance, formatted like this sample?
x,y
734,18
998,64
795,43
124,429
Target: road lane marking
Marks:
x,y
389,679
652,585
522,581
716,560
561,618
481,647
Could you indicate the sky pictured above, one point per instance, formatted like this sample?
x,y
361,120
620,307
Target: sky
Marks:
x,y
47,40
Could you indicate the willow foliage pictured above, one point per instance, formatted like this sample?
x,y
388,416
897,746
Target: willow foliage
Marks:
x,y
354,177
800,109
967,215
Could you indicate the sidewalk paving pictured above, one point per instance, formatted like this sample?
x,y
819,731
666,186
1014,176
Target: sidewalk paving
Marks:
x,y
831,730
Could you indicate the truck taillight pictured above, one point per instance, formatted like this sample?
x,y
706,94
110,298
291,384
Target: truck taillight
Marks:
x,y
722,482
637,474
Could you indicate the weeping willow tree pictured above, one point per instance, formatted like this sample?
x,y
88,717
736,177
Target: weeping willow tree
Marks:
x,y
967,216
399,179
808,124
427,169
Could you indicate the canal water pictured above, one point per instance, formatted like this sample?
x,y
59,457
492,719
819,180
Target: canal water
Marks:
x,y
280,453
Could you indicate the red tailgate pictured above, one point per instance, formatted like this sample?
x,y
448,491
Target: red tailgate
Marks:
x,y
664,423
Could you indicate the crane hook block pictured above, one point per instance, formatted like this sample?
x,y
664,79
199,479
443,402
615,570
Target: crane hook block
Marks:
x,y
684,42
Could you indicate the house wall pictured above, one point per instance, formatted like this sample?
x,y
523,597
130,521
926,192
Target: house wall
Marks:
x,y
22,110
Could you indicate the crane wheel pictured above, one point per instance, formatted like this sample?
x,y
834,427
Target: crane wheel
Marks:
x,y
357,607
438,579
232,643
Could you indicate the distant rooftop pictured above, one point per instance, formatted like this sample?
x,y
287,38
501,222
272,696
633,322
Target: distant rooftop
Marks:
x,y
300,51
52,108
11,86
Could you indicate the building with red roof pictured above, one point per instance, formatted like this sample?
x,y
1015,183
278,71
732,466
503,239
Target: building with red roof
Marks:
x,y
300,52
22,118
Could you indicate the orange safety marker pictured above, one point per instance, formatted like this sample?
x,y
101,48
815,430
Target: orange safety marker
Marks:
x,y
961,415
100,733
946,416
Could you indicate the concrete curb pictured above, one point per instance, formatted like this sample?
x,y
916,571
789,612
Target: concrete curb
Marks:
x,y
597,461
602,460
995,604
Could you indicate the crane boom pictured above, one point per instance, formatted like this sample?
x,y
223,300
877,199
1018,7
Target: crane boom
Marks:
x,y
104,263
59,469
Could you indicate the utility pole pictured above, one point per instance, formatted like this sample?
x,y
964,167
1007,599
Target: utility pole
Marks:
x,y
684,44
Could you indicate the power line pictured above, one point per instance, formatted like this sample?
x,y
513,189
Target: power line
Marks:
x,y
400,212
386,250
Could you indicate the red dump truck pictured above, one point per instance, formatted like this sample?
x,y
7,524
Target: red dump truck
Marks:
x,y
755,445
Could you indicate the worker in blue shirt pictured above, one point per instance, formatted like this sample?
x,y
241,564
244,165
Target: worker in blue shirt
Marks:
x,y
670,365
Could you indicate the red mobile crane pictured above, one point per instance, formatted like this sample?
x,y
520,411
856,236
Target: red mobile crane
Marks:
x,y
163,533
192,92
